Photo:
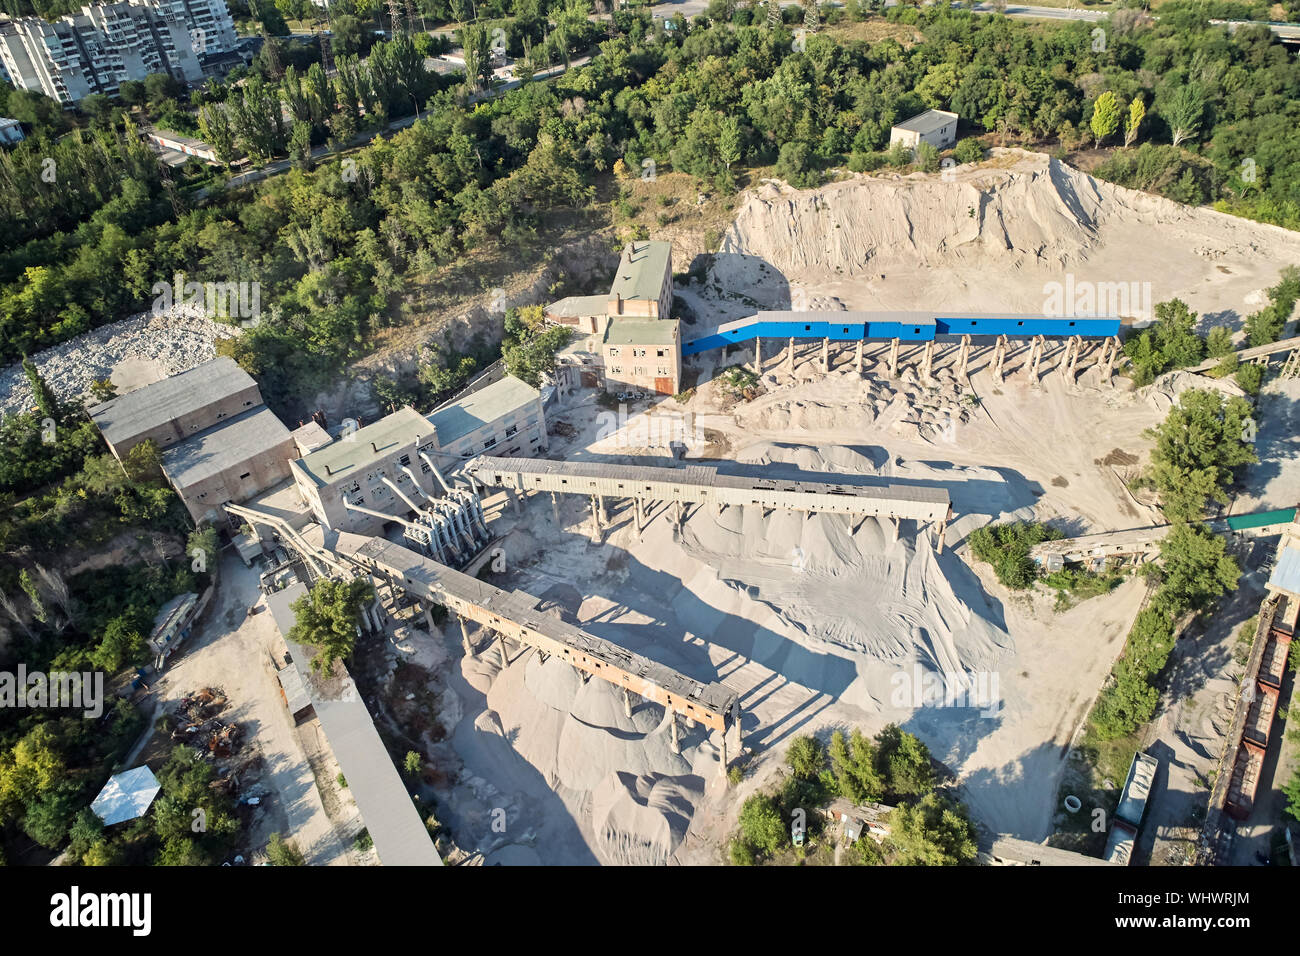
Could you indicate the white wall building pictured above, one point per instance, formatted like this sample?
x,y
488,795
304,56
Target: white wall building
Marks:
x,y
936,127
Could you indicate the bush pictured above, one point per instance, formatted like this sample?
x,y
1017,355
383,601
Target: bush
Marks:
x,y
927,158
794,165
860,162
969,150
761,826
806,757
1006,548
1251,378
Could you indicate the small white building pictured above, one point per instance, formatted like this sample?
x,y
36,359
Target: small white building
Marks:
x,y
936,127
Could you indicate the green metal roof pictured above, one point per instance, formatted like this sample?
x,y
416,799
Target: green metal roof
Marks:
x,y
460,417
353,452
1261,519
642,270
641,332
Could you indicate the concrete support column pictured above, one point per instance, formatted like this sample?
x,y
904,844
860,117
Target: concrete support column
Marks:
x,y
893,358
1072,357
672,726
789,357
555,508
939,531
597,531
464,636
514,499
723,766
1035,357
627,703
758,356
428,616
1109,355
501,646
826,355
677,512
927,361
717,508
604,514
638,515
963,359
893,529
999,358
860,343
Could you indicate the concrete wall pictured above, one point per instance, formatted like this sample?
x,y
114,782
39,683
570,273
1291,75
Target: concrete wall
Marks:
x,y
644,367
237,483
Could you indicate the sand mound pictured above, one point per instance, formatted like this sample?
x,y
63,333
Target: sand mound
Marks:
x,y
1163,393
1040,211
640,820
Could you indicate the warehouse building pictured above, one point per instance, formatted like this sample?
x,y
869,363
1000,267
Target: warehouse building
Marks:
x,y
219,442
177,407
626,340
643,355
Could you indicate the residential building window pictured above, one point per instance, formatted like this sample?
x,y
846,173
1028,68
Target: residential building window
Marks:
x,y
490,442
660,353
616,369
511,430
613,352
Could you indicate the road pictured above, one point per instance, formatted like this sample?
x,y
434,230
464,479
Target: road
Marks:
x,y
231,650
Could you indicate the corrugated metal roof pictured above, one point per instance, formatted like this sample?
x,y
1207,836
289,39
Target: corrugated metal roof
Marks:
x,y
126,796
927,122
152,405
233,442
1286,573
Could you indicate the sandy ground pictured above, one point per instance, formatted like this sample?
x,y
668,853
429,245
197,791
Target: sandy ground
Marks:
x,y
233,651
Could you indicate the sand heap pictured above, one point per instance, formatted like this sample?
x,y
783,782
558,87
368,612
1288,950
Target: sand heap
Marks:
x,y
857,593
577,735
1042,210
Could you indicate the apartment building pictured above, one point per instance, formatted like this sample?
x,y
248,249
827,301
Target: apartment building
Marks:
x,y
96,50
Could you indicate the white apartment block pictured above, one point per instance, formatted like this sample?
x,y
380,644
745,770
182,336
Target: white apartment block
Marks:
x,y
96,50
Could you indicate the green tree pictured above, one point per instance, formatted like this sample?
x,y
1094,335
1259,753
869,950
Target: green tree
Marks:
x,y
1199,447
1105,117
326,619
806,757
1137,112
46,403
1183,112
903,761
280,852
1219,341
854,766
933,832
1194,569
412,763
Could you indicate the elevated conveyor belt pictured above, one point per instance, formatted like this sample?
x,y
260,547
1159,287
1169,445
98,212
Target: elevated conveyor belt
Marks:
x,y
516,615
698,484
906,326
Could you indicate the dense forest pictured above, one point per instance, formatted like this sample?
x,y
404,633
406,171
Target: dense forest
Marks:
x,y
333,246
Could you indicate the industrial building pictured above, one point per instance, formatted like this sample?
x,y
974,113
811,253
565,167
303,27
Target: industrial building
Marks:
x,y
629,340
389,466
219,442
177,407
936,127
96,50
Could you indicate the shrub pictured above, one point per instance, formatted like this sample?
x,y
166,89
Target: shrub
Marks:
x,y
1006,548
969,150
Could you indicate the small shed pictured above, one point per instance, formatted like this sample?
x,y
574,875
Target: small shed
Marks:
x,y
936,127
126,796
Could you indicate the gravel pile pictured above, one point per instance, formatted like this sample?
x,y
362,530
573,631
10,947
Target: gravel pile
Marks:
x,y
175,341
